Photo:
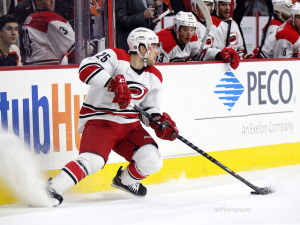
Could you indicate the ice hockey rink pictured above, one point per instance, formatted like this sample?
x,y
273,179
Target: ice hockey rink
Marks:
x,y
209,200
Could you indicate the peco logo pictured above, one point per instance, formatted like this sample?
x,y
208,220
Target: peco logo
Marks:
x,y
229,89
274,87
262,88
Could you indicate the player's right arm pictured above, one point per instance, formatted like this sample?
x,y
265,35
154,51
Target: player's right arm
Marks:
x,y
162,56
98,70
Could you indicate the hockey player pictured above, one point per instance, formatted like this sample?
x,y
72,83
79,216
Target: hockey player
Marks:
x,y
287,43
201,25
47,36
9,34
180,43
221,28
282,12
117,78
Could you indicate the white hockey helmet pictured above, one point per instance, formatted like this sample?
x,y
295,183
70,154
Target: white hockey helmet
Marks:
x,y
194,2
283,6
140,36
185,19
295,9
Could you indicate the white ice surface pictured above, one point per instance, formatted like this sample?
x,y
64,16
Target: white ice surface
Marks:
x,y
209,200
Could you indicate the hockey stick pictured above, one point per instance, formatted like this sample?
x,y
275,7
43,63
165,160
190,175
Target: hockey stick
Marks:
x,y
257,190
208,20
229,23
162,15
271,12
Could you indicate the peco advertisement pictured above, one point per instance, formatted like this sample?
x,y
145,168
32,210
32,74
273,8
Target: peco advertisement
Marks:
x,y
218,108
214,107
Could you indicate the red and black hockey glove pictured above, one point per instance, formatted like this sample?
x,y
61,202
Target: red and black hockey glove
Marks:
x,y
167,132
121,90
228,54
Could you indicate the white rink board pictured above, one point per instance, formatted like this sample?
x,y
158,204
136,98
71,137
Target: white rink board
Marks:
x,y
203,119
189,97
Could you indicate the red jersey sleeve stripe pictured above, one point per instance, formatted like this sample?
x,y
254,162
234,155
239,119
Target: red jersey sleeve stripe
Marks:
x,y
88,72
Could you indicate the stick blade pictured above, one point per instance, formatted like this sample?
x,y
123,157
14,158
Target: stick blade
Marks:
x,y
263,191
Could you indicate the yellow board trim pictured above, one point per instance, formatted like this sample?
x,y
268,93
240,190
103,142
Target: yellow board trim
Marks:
x,y
253,158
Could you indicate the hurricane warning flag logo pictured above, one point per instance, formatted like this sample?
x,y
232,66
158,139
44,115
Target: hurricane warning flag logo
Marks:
x,y
229,89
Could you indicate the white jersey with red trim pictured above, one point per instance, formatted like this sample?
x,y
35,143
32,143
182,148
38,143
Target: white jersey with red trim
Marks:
x,y
172,51
267,51
46,38
201,30
287,41
235,39
145,88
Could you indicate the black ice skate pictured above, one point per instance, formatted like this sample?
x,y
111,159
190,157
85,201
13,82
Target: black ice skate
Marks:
x,y
136,189
56,198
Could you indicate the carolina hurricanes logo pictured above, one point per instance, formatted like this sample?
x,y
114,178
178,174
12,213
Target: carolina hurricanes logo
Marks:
x,y
137,90
209,41
233,39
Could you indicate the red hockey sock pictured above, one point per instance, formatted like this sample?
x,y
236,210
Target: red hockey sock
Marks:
x,y
75,170
134,172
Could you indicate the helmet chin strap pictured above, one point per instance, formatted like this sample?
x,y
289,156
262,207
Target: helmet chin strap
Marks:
x,y
177,36
280,16
176,31
144,57
145,62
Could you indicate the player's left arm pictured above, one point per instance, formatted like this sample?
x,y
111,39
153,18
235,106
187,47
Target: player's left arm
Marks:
x,y
162,56
99,69
240,41
283,49
151,104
